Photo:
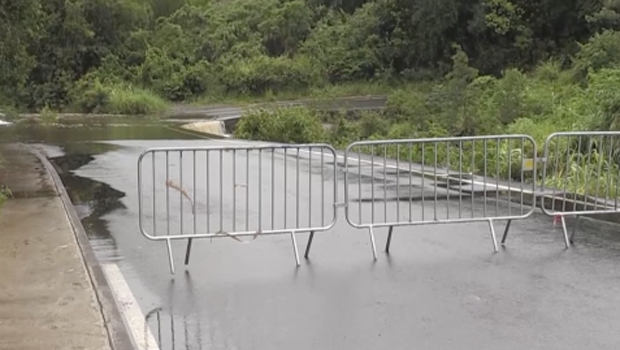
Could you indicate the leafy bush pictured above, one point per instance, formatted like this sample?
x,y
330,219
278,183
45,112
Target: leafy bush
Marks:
x,y
125,99
373,123
344,132
601,51
261,73
95,97
604,97
287,125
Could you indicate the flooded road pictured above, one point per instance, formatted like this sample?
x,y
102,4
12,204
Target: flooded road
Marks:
x,y
442,287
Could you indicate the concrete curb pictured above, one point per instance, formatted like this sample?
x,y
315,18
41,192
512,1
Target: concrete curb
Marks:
x,y
117,332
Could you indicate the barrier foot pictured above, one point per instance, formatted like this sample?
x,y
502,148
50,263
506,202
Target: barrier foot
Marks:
x,y
506,231
575,229
169,245
295,250
309,245
566,239
188,251
373,245
389,240
493,237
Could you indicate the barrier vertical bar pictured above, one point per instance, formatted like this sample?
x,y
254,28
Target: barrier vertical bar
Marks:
x,y
208,185
234,188
461,179
260,190
423,177
181,184
448,189
579,158
410,182
473,171
247,189
154,197
385,182
435,182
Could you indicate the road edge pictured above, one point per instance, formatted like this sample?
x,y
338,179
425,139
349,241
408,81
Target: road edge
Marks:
x,y
118,335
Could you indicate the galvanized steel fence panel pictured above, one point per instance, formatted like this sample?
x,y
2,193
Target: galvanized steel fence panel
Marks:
x,y
581,175
391,183
236,192
245,192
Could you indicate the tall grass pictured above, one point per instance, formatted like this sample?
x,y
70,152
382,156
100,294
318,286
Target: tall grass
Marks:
x,y
294,125
125,99
116,98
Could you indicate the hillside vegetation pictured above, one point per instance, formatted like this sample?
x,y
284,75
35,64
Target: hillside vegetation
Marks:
x,y
131,56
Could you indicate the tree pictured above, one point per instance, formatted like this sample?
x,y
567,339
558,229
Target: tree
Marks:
x,y
63,54
20,29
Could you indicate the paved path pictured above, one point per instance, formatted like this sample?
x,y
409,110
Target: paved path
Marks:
x,y
47,299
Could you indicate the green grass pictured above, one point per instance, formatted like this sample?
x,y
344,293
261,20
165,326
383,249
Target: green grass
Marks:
x,y
133,101
120,98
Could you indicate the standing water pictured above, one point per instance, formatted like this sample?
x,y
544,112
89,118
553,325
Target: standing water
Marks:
x,y
73,144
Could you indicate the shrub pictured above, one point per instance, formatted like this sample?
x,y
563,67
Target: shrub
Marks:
x,y
125,99
604,99
260,74
601,51
287,125
373,123
344,132
94,97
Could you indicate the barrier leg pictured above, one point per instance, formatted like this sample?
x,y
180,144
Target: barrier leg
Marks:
x,y
308,245
188,251
506,231
295,251
389,240
566,239
372,243
169,244
493,236
575,229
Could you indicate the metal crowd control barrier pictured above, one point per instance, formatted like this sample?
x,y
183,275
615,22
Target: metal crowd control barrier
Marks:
x,y
396,183
581,176
237,191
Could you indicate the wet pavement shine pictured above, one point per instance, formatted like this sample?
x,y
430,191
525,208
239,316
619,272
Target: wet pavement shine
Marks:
x,y
441,287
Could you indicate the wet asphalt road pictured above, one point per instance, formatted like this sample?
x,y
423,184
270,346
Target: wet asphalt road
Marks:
x,y
229,113
442,287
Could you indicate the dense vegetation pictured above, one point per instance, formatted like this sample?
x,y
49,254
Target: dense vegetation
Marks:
x,y
131,55
544,100
454,67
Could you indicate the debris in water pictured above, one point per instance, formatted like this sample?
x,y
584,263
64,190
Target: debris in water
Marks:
x,y
171,184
